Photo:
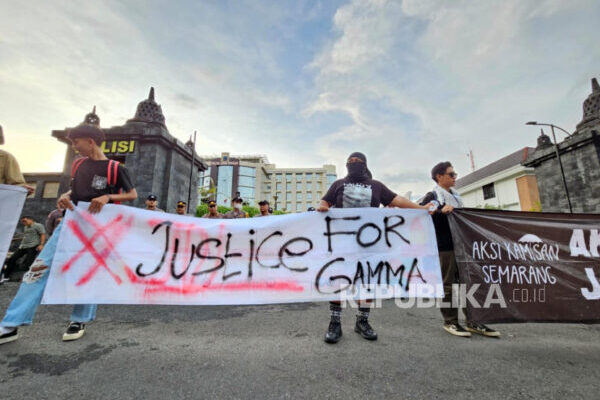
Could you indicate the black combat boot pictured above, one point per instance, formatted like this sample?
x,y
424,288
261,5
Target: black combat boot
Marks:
x,y
362,326
334,332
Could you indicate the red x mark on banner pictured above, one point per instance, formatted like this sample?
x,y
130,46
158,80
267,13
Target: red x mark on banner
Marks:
x,y
111,233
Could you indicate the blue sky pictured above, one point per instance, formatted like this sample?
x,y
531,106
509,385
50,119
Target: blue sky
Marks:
x,y
409,83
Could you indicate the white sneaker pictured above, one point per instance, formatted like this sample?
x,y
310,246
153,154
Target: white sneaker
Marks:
x,y
74,331
8,335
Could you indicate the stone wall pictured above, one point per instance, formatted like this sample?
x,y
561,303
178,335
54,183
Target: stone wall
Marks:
x,y
580,156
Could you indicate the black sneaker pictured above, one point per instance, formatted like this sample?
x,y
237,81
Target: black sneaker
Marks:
x,y
74,331
9,337
481,329
455,329
334,332
363,328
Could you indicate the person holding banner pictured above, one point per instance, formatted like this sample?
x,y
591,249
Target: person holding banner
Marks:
x,y
358,189
94,179
447,199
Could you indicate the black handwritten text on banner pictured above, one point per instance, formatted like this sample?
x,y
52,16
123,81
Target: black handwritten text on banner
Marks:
x,y
130,256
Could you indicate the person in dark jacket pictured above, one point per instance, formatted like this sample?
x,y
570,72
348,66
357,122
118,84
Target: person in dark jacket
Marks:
x,y
447,199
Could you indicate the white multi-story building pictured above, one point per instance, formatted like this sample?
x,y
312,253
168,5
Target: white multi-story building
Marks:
x,y
253,178
504,184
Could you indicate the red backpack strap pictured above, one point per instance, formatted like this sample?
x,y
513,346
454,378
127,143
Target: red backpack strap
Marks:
x,y
76,164
111,175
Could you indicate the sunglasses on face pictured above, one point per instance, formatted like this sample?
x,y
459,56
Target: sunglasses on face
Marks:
x,y
180,206
452,174
211,206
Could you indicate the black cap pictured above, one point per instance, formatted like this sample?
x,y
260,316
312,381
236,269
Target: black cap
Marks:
x,y
151,197
87,131
237,200
212,204
263,203
181,203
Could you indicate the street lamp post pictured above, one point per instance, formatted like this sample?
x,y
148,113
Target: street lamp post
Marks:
x,y
562,171
275,201
192,145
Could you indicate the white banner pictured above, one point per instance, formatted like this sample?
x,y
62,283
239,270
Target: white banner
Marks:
x,y
125,255
12,199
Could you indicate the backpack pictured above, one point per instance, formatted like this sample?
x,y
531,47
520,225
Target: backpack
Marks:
x,y
111,174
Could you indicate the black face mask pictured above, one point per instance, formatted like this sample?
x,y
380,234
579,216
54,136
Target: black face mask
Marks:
x,y
356,170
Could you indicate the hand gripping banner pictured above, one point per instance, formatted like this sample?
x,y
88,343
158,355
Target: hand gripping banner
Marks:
x,y
125,255
541,267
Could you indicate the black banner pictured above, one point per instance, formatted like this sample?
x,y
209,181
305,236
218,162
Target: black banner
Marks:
x,y
526,266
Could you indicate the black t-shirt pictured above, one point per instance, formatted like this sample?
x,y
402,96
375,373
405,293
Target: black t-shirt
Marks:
x,y
91,181
371,193
441,224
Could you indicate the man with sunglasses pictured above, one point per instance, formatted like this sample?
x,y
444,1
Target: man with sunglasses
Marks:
x,y
212,211
447,198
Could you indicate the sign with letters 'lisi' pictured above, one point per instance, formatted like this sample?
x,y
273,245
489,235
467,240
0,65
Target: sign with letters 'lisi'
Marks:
x,y
118,146
545,266
125,255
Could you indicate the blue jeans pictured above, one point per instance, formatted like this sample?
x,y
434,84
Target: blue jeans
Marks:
x,y
22,309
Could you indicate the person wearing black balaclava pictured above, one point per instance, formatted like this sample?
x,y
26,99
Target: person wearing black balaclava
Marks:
x,y
358,189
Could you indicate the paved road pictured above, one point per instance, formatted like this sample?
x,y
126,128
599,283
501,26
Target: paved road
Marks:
x,y
269,352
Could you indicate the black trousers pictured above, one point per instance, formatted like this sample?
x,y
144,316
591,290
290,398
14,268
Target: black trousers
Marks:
x,y
449,277
11,264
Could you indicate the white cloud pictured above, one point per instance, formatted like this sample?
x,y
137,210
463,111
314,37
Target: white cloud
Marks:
x,y
409,83
451,76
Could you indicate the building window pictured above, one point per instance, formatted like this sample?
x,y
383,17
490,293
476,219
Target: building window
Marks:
x,y
51,190
299,186
224,185
247,184
298,207
278,186
278,177
298,196
247,194
204,179
289,195
309,177
288,177
330,179
288,206
248,181
308,196
488,191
